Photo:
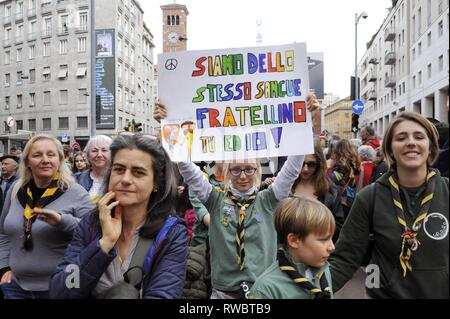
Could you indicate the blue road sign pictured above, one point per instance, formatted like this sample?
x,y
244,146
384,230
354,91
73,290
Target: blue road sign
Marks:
x,y
358,107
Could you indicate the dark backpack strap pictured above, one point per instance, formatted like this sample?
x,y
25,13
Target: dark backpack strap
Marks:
x,y
373,194
135,272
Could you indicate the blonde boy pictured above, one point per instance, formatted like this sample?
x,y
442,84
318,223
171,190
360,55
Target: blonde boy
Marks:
x,y
305,229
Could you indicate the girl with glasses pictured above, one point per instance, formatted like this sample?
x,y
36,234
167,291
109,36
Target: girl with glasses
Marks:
x,y
241,231
313,182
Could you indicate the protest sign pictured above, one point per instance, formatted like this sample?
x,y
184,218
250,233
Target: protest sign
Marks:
x,y
235,103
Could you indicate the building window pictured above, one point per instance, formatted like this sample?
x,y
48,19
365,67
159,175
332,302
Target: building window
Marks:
x,y
414,54
46,49
420,78
63,46
19,55
63,72
441,28
82,44
64,22
81,70
429,39
82,96
63,123
32,75
7,102
441,63
19,124
32,99
19,101
63,97
47,98
7,57
83,21
82,122
32,125
420,48
46,124
32,52
47,27
429,70
7,80
19,78
46,75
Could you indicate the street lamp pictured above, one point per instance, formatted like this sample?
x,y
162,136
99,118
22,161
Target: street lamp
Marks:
x,y
357,18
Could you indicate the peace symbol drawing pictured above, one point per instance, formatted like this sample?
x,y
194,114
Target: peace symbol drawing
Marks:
x,y
171,64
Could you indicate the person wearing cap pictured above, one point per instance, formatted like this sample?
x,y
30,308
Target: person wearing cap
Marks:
x,y
10,163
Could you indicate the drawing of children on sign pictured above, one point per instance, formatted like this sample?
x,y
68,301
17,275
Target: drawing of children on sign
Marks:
x,y
188,131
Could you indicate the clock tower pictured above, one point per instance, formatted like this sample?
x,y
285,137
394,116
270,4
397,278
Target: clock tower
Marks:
x,y
174,27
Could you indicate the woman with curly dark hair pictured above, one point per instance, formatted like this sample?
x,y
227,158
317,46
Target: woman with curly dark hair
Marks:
x,y
345,168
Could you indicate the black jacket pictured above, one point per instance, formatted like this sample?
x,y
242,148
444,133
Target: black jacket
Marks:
x,y
430,262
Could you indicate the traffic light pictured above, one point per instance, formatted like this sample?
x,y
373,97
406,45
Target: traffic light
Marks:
x,y
355,123
138,127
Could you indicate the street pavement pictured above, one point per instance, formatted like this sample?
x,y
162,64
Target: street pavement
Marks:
x,y
354,289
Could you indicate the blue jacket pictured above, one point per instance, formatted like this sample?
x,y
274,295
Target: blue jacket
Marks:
x,y
84,179
163,280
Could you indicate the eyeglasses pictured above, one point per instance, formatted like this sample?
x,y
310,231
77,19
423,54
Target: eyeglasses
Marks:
x,y
310,164
237,171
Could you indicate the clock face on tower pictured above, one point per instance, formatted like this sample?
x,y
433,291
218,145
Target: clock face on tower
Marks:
x,y
173,37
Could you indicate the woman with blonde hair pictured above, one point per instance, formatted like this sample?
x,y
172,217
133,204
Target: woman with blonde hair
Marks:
x,y
406,213
38,219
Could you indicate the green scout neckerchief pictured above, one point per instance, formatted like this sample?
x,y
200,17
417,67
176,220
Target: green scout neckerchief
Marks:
x,y
243,204
286,266
410,242
25,197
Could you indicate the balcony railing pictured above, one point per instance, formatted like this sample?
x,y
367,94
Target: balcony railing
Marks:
x,y
389,58
19,16
81,29
372,95
19,39
389,81
46,33
31,36
372,76
7,20
31,12
389,34
63,31
7,43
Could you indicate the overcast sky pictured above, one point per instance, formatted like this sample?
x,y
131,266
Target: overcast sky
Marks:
x,y
326,26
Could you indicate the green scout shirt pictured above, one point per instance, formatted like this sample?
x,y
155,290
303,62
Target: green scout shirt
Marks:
x,y
200,230
260,239
276,284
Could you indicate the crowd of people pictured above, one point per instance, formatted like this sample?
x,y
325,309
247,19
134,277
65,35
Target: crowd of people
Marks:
x,y
120,220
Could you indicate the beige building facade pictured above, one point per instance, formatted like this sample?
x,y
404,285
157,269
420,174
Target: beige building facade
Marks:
x,y
338,119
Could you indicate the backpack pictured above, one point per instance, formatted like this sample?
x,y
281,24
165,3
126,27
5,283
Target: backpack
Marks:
x,y
146,249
